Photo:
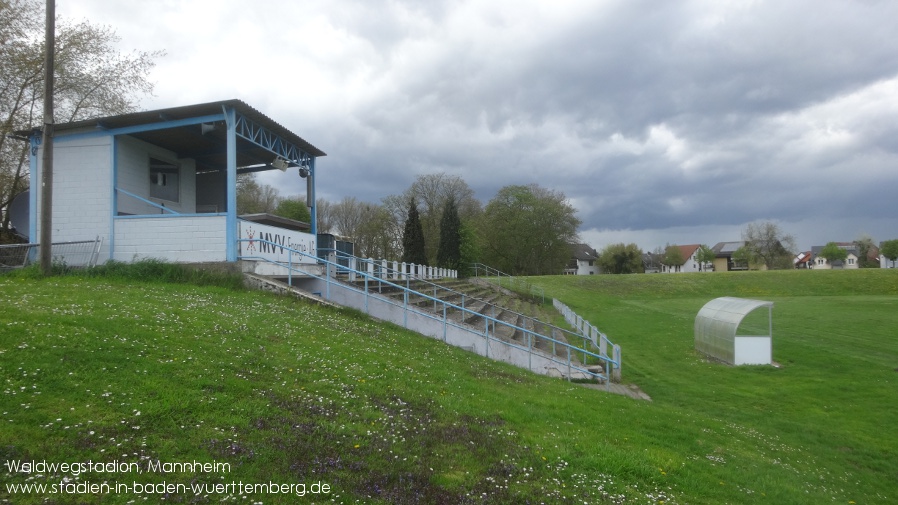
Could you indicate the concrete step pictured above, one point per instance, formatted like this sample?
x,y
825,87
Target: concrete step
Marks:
x,y
483,300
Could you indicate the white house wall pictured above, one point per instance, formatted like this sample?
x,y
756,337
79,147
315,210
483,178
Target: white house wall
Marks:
x,y
82,178
190,239
690,265
583,268
850,263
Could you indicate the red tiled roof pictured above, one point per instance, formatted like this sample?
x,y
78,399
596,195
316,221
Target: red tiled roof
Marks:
x,y
688,250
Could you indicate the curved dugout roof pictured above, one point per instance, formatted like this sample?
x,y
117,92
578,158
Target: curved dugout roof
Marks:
x,y
717,322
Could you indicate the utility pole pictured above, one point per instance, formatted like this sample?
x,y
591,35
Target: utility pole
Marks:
x,y
46,240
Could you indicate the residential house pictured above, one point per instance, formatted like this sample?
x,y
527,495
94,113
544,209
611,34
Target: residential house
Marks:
x,y
583,260
852,261
690,263
723,257
804,260
821,263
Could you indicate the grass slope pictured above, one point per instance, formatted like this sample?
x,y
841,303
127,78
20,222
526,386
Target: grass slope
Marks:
x,y
107,370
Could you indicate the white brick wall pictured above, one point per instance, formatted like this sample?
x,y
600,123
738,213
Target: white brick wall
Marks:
x,y
81,185
175,239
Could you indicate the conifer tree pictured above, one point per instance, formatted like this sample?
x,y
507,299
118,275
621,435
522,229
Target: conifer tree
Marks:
x,y
413,237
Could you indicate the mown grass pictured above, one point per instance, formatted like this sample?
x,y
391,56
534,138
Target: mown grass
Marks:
x,y
827,404
107,368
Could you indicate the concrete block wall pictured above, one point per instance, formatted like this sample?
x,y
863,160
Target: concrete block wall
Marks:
x,y
176,239
81,183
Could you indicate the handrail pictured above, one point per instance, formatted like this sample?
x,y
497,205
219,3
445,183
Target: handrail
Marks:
x,y
489,271
465,297
596,336
144,200
332,266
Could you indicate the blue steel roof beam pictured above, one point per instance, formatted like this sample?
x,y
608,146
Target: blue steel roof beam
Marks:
x,y
214,151
128,130
269,140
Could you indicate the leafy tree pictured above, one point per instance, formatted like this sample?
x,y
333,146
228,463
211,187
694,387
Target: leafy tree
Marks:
x,y
705,256
468,249
673,256
413,237
621,259
449,253
92,79
527,230
889,249
832,252
767,244
741,258
294,208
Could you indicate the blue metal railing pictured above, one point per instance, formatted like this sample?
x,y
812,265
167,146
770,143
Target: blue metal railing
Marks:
x,y
380,271
596,336
585,330
441,312
148,202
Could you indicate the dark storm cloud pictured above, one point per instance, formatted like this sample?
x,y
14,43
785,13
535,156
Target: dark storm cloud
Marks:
x,y
669,119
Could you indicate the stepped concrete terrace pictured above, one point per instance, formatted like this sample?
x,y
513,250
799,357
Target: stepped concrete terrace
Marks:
x,y
473,314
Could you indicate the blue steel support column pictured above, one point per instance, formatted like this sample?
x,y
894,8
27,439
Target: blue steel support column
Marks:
x,y
231,185
35,188
114,154
314,212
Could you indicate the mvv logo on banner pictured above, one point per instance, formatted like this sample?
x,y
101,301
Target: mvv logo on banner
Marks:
x,y
273,243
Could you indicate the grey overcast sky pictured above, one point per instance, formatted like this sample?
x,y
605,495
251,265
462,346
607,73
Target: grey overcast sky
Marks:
x,y
662,121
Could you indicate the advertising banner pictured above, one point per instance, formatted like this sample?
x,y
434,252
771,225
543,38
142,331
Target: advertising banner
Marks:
x,y
272,243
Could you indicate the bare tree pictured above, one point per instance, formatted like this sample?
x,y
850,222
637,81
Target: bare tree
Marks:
x,y
92,79
255,198
372,237
324,212
767,244
432,191
348,216
865,246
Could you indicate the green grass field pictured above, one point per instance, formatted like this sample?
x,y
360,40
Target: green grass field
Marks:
x,y
278,392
